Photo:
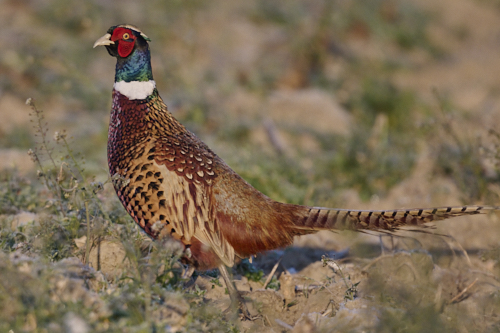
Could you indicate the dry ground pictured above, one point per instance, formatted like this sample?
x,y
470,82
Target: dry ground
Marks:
x,y
357,104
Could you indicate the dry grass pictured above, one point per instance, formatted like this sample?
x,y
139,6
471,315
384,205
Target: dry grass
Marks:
x,y
360,104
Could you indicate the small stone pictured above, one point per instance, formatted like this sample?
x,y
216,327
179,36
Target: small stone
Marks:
x,y
287,287
75,324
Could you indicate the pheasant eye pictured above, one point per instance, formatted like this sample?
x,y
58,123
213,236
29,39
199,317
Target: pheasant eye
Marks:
x,y
126,36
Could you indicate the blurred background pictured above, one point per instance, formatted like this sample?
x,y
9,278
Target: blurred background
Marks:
x,y
362,104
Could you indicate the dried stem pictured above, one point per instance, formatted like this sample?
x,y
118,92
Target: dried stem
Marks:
x,y
87,246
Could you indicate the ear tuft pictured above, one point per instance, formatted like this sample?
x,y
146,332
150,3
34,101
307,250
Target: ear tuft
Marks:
x,y
135,29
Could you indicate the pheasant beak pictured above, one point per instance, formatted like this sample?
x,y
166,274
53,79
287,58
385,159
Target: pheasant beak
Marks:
x,y
103,41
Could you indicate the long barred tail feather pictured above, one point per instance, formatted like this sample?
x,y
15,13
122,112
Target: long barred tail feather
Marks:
x,y
319,218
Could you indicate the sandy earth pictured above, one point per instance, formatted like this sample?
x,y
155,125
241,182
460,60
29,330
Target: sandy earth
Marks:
x,y
427,274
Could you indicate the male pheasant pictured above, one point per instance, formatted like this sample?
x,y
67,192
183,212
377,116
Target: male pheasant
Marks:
x,y
173,185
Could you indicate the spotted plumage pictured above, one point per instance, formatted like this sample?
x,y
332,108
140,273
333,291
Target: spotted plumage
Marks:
x,y
173,185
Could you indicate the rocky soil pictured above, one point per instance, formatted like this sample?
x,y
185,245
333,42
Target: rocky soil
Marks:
x,y
296,101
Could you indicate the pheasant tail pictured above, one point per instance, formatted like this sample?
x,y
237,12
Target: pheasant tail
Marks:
x,y
318,218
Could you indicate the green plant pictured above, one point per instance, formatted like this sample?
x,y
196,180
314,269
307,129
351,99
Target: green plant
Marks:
x,y
248,270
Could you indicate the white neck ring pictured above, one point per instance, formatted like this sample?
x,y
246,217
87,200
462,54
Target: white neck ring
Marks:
x,y
135,89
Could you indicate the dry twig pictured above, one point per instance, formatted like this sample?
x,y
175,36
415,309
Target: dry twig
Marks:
x,y
269,278
455,299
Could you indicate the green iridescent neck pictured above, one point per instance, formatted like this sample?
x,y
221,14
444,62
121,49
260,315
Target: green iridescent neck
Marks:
x,y
136,67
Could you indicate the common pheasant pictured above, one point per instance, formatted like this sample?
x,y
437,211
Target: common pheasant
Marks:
x,y
173,185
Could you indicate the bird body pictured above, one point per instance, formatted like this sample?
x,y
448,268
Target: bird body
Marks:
x,y
176,186
173,185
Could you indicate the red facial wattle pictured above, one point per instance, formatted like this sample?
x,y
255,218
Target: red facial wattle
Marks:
x,y
125,39
125,48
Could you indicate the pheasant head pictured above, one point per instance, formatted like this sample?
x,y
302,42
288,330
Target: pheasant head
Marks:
x,y
130,47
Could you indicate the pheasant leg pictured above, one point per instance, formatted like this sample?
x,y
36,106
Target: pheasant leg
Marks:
x,y
237,301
